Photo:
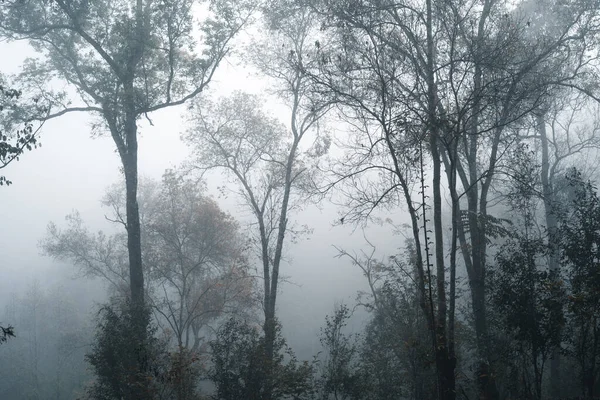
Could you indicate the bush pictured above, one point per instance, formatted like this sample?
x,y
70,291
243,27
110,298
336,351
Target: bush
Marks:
x,y
240,369
125,366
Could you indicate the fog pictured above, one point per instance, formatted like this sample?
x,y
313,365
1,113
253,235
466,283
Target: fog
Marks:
x,y
72,170
323,200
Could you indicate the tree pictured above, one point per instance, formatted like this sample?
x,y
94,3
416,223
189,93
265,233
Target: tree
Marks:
x,y
115,359
193,255
284,57
580,239
529,298
396,357
340,377
237,136
197,260
563,136
243,370
125,59
265,159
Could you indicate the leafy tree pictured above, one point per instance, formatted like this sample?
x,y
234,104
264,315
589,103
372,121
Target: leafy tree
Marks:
x,y
563,140
198,254
242,370
580,244
395,354
268,161
265,161
116,361
529,299
125,59
193,256
340,377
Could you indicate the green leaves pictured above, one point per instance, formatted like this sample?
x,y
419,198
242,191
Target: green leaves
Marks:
x,y
240,368
16,135
122,364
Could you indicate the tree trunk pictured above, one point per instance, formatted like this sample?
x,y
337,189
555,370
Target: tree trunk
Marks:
x,y
549,200
445,368
476,204
444,364
270,320
450,163
126,141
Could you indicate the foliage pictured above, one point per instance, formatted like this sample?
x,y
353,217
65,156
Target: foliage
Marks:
x,y
193,252
394,356
580,244
241,369
195,257
180,374
529,300
340,377
123,371
16,136
102,47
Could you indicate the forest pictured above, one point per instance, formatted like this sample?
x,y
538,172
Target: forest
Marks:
x,y
453,145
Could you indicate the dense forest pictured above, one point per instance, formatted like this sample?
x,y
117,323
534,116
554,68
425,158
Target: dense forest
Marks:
x,y
478,121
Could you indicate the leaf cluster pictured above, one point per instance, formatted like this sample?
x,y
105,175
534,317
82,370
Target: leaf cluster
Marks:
x,y
16,137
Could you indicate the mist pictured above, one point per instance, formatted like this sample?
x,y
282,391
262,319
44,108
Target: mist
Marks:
x,y
322,200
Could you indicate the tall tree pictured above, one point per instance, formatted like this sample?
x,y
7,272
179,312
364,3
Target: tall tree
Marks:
x,y
285,57
566,133
125,59
266,159
252,148
580,238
